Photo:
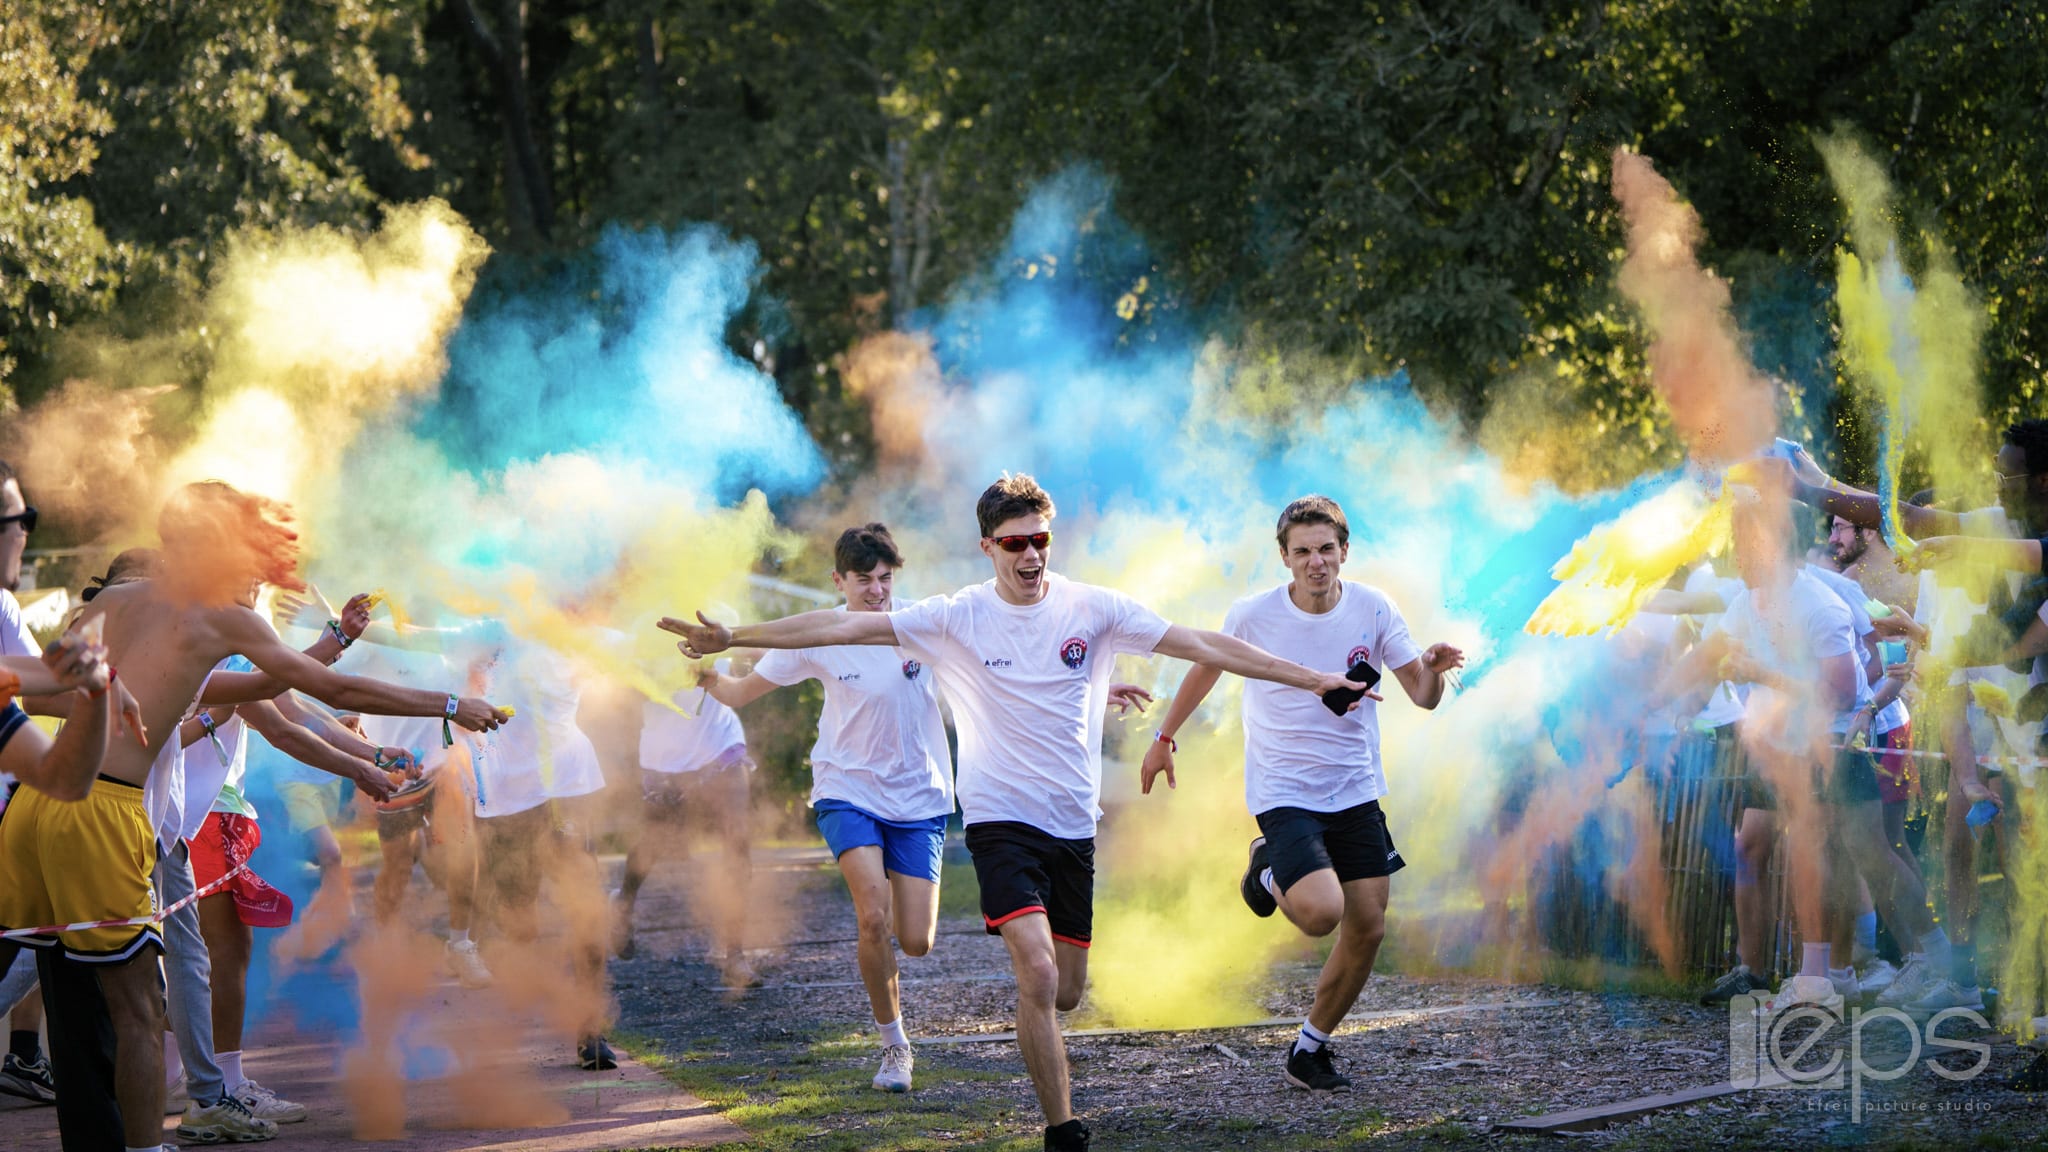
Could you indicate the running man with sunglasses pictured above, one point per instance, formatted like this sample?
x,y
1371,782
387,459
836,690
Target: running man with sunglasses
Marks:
x,y
1025,660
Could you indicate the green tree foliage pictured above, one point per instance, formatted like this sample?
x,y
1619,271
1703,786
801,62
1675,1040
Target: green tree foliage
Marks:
x,y
1377,185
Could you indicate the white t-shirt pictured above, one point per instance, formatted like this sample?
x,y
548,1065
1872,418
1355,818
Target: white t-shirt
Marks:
x,y
1808,624
410,669
881,741
671,742
1724,707
205,772
1297,753
541,754
1851,593
15,640
1029,685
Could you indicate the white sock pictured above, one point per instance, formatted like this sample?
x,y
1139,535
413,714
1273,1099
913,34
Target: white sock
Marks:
x,y
1813,960
1266,881
461,937
1936,946
892,1033
230,1070
151,1148
1311,1039
1842,973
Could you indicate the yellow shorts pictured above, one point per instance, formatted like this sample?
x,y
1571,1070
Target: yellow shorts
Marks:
x,y
63,863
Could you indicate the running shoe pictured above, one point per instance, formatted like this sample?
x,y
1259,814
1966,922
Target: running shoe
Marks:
x,y
1315,1071
1943,995
594,1055
2039,1027
265,1104
1816,991
1878,975
227,1121
1069,1137
466,965
29,1080
895,1073
1915,977
1844,980
1739,981
1252,888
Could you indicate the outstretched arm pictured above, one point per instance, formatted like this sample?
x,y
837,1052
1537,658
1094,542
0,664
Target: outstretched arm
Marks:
x,y
1194,688
1229,654
1817,489
735,691
1423,677
302,744
247,633
823,628
63,769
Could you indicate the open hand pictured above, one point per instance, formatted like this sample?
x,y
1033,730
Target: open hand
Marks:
x,y
310,610
477,715
129,710
1442,658
78,659
701,639
1124,697
355,615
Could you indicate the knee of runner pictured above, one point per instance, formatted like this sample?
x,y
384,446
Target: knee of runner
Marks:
x,y
914,945
1038,978
1319,921
873,925
1068,999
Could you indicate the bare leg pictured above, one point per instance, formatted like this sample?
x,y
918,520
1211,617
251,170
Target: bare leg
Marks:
x,y
1315,903
1358,945
917,912
869,885
395,876
134,993
1754,838
228,942
1037,968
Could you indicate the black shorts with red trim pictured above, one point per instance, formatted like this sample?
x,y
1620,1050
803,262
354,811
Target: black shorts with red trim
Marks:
x,y
1023,870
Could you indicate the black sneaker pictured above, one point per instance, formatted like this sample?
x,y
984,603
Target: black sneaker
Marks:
x,y
1740,981
2034,1077
1069,1137
594,1055
1315,1071
28,1080
1251,887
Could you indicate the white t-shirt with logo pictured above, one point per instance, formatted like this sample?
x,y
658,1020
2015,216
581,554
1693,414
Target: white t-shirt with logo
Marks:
x,y
881,741
1297,753
1806,625
541,754
1029,685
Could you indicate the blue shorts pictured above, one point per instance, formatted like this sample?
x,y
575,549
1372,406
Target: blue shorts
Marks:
x,y
909,848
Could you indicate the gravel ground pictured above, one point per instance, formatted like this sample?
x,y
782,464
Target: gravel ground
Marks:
x,y
1422,1080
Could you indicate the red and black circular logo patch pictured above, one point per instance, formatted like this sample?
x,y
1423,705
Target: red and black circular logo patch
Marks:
x,y
1359,655
911,668
1074,652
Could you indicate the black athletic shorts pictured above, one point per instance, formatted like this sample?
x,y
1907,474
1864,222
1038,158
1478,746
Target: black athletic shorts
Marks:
x,y
1023,870
1355,842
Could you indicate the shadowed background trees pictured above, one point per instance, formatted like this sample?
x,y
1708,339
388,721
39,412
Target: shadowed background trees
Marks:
x,y
1383,185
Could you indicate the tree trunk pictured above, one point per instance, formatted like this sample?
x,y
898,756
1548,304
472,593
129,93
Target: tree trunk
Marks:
x,y
505,55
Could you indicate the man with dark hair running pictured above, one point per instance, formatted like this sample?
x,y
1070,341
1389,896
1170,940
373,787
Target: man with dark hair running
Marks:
x,y
1025,659
1312,778
882,779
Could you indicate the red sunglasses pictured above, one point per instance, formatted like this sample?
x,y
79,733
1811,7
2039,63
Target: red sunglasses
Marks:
x,y
1038,540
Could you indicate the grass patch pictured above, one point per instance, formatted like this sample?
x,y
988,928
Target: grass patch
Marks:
x,y
959,891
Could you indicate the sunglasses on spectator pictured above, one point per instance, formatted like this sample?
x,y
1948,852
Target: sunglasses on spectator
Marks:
x,y
26,518
1038,540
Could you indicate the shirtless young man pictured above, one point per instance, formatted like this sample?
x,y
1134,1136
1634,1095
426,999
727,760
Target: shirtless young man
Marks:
x,y
1025,660
170,632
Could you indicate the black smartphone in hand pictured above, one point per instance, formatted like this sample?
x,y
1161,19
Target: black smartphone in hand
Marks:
x,y
1341,700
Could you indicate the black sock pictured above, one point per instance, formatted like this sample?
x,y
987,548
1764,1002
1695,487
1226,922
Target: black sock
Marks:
x,y
1962,965
26,1046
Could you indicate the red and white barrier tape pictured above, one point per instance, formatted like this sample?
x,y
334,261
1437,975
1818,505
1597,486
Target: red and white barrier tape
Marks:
x,y
1986,761
132,921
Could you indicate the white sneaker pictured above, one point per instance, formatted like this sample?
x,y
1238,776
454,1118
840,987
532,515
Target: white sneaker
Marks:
x,y
1911,983
264,1104
895,1073
176,1100
1818,991
1844,980
1943,995
1877,976
466,965
2038,1029
228,1121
